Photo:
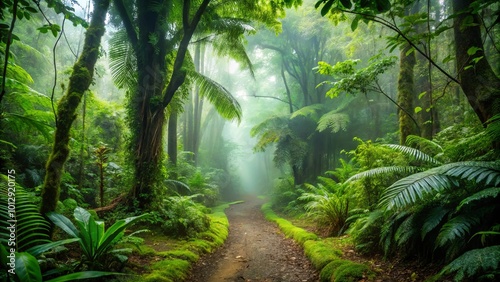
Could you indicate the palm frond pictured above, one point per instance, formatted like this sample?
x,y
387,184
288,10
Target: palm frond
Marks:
x,y
483,194
334,121
382,171
474,263
122,61
413,153
227,106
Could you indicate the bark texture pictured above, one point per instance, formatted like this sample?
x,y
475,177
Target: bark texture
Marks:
x,y
79,82
478,81
406,93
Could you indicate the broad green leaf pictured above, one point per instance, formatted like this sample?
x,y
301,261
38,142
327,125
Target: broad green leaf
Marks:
x,y
418,110
27,268
64,223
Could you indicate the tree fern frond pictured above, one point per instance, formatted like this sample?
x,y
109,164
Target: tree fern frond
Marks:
x,y
380,171
273,123
493,129
122,61
227,106
412,188
486,193
312,111
424,144
456,228
333,121
413,153
474,263
434,217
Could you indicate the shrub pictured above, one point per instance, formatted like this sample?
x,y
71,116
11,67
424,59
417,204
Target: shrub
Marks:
x,y
183,217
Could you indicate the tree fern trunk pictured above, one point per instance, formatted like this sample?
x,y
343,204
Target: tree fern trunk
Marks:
x,y
79,82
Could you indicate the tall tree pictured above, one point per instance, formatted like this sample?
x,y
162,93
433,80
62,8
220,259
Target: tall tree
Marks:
x,y
80,80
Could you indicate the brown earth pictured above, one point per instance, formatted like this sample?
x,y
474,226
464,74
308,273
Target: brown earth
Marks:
x,y
255,251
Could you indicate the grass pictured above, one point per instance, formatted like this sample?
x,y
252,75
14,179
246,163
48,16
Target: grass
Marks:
x,y
182,253
324,254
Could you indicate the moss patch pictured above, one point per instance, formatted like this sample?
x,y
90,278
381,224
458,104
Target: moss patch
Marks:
x,y
324,254
181,254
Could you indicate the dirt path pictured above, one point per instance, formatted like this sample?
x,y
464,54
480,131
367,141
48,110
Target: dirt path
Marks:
x,y
255,250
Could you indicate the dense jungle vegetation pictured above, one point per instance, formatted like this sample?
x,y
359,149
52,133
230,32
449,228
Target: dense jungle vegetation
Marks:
x,y
377,121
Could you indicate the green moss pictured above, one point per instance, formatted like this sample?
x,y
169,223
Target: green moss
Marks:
x,y
298,234
320,253
351,272
182,254
327,271
174,269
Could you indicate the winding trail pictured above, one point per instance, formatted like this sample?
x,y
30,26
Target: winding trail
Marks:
x,y
255,251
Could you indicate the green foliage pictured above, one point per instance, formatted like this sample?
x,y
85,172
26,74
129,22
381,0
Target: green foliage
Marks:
x,y
327,205
181,216
31,228
481,263
95,241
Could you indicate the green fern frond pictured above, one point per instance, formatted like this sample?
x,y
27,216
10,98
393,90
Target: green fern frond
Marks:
x,y
412,188
31,228
487,173
493,129
227,106
456,228
334,121
273,123
406,231
122,61
413,153
424,144
312,112
434,218
483,194
474,263
382,171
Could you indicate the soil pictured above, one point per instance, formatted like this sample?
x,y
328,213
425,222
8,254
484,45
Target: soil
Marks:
x,y
255,251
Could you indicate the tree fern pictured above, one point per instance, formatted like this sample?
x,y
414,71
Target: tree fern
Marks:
x,y
474,263
424,144
313,112
334,121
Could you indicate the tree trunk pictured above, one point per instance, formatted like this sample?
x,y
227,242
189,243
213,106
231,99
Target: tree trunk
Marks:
x,y
79,82
405,92
172,138
478,81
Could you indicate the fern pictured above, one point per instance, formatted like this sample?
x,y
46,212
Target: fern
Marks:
x,y
32,229
456,229
474,263
486,193
312,111
424,144
333,121
434,218
383,171
122,61
414,153
486,172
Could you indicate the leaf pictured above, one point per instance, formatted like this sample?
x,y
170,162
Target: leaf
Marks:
x,y
326,8
346,3
355,21
40,249
486,193
474,263
27,268
64,223
418,109
473,50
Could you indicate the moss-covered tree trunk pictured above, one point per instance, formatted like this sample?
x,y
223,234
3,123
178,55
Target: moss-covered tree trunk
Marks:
x,y
477,79
79,82
172,138
406,92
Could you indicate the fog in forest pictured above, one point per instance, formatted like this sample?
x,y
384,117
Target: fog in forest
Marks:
x,y
361,129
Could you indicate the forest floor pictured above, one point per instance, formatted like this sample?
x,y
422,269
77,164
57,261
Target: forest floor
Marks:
x,y
255,251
